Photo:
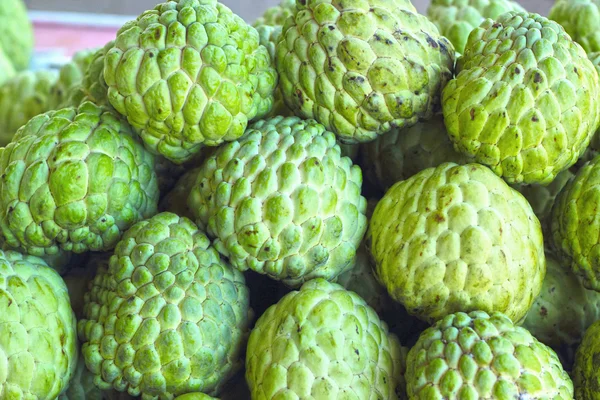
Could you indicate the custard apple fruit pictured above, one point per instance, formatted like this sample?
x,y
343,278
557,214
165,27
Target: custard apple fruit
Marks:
x,y
481,356
282,201
69,80
362,68
23,97
168,317
457,18
16,33
401,153
189,73
323,342
74,180
93,86
580,19
526,99
277,15
7,70
458,238
38,337
586,372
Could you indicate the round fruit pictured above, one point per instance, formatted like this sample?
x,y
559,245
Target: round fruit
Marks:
x,y
525,101
277,15
323,342
580,18
362,68
283,202
189,73
481,356
586,373
458,238
16,33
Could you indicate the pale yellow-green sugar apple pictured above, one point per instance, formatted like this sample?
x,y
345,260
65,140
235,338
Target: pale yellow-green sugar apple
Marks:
x,y
74,180
168,316
282,201
362,68
16,33
38,337
457,238
189,73
525,101
580,18
277,15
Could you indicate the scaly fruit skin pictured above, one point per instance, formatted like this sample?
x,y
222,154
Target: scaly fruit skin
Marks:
x,y
189,73
38,337
283,202
575,224
69,79
93,85
580,19
526,99
458,238
362,68
323,342
167,287
81,386
74,180
277,15
401,153
16,33
564,310
586,373
457,18
7,70
23,97
481,356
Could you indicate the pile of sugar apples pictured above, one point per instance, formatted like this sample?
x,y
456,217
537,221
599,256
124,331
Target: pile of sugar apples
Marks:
x,y
344,199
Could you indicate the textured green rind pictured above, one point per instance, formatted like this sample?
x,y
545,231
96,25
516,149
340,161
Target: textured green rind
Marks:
x,y
93,86
195,396
363,67
81,386
38,337
401,153
23,97
575,224
168,317
456,19
7,70
277,15
69,79
282,202
580,18
458,238
323,342
586,373
16,33
74,180
564,310
481,356
525,100
189,73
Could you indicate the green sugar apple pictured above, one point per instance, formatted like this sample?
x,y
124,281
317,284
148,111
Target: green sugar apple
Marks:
x,y
168,316
277,15
283,202
362,68
481,356
525,101
22,97
458,238
189,73
7,70
74,180
580,18
69,80
323,342
38,337
586,372
401,153
457,18
16,33
93,86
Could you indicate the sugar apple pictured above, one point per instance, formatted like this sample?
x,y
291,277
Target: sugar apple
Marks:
x,y
457,18
362,68
282,202
586,372
93,86
563,311
323,342
580,19
73,180
277,15
481,356
16,33
525,101
7,70
38,337
23,97
168,317
575,224
458,238
401,153
69,79
188,73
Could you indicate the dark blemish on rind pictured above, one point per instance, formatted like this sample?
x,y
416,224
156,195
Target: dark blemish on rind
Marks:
x,y
388,42
496,25
432,42
267,248
356,352
537,78
517,71
331,27
157,34
377,37
535,118
151,55
472,113
543,311
299,95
